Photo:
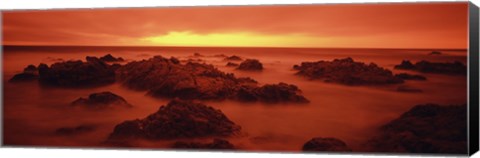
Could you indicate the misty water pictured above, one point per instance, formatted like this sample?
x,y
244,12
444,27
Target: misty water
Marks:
x,y
32,113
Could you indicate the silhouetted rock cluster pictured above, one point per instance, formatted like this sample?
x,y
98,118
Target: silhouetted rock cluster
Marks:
x,y
250,65
325,144
215,144
454,68
30,73
67,131
346,71
426,128
163,77
93,72
406,76
178,119
110,58
233,58
101,100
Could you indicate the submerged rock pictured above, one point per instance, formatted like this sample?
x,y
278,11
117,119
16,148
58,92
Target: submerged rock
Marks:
x,y
93,72
75,130
230,64
325,144
178,119
30,73
101,100
408,89
428,128
454,68
250,65
406,76
110,58
435,53
163,77
215,144
348,72
233,57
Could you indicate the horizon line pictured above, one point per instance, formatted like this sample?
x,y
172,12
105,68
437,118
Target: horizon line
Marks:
x,y
271,47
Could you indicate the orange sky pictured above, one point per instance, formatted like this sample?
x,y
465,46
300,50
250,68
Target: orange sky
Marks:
x,y
417,25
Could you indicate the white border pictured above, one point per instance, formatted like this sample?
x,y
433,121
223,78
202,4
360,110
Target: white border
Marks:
x,y
84,153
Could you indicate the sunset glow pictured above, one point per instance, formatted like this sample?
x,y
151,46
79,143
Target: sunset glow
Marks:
x,y
422,25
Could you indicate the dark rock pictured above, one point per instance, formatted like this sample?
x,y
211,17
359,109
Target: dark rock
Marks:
x,y
454,68
216,144
348,72
408,89
75,130
220,55
428,128
21,77
178,119
250,65
230,64
406,76
197,55
233,57
30,73
110,58
101,100
94,72
325,144
435,53
162,77
271,93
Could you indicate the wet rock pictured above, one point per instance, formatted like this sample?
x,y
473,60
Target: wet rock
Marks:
x,y
347,71
325,144
435,53
93,72
102,100
271,93
162,77
251,65
230,64
30,73
110,58
215,144
75,130
406,76
453,68
428,128
178,119
408,89
233,58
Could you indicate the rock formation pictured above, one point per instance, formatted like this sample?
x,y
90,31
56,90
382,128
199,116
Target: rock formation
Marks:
x,y
271,93
217,144
454,68
102,100
30,73
250,65
93,72
230,64
428,128
178,119
325,144
346,71
233,58
163,77
110,58
435,53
